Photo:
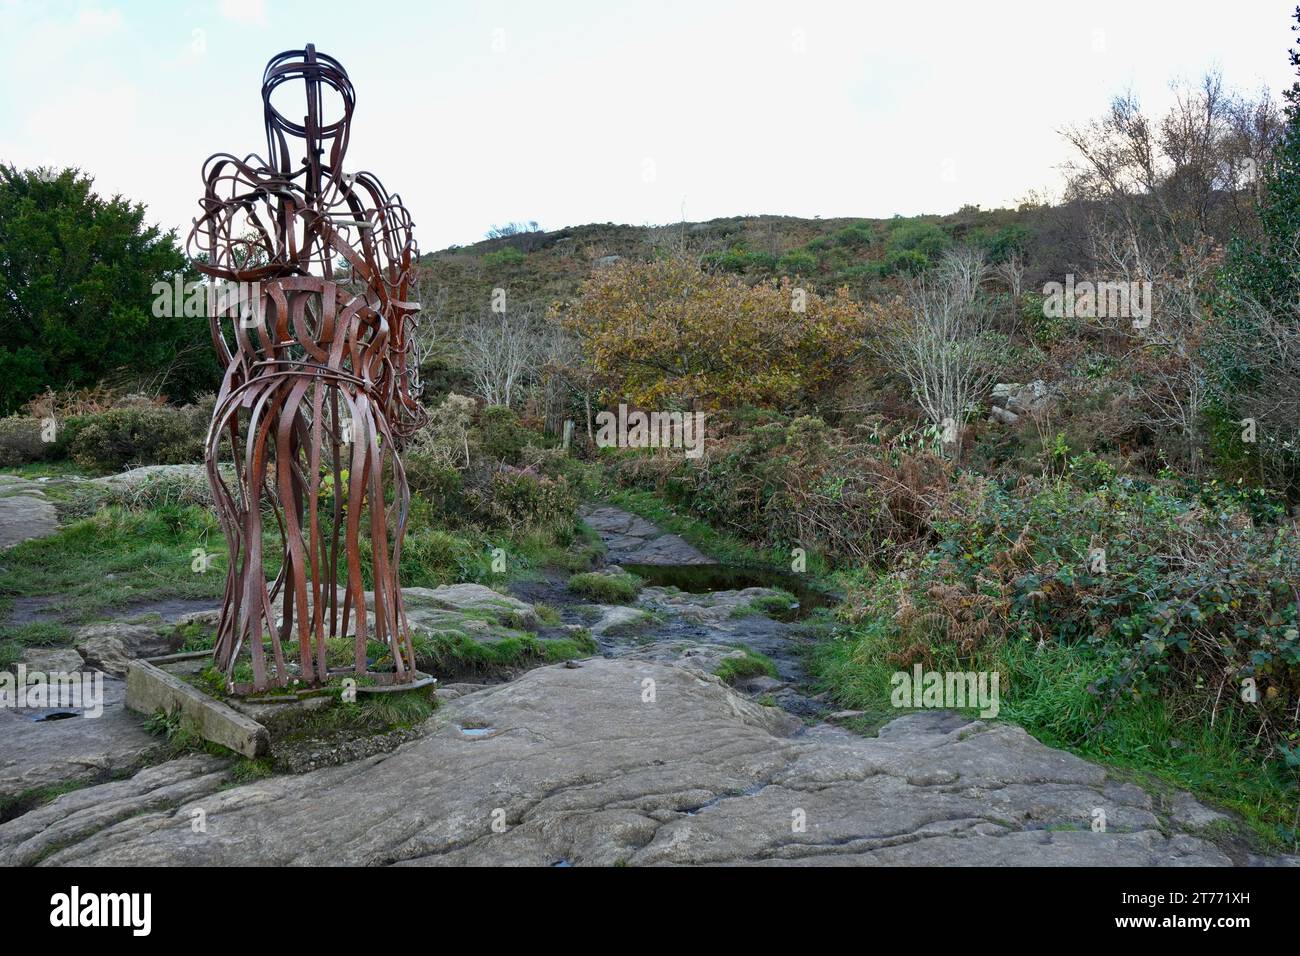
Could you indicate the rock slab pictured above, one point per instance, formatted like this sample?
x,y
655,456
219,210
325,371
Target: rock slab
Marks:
x,y
637,762
630,539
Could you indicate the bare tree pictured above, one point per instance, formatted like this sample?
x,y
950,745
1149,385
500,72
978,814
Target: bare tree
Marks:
x,y
498,351
1161,195
940,347
1268,346
963,269
1174,179
1012,273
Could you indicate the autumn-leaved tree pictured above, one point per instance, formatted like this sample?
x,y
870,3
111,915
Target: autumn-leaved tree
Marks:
x,y
664,334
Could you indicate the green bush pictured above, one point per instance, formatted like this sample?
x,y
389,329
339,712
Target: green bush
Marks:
x,y
77,279
606,588
434,481
152,435
741,260
800,482
21,442
797,262
522,501
501,436
1161,592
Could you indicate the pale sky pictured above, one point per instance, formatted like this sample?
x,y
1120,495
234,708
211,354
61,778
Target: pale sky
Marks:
x,y
608,111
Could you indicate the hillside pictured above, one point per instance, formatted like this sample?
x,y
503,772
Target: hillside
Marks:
x,y
866,255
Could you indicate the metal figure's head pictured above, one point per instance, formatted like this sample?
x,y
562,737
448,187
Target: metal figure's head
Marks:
x,y
325,137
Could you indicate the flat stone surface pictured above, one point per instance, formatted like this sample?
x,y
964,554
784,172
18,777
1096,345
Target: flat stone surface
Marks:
x,y
40,753
630,539
586,766
52,660
83,813
25,512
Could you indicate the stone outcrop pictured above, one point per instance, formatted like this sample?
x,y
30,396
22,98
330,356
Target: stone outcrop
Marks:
x,y
25,512
636,762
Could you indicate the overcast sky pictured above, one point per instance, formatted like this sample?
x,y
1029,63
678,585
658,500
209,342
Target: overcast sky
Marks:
x,y
576,112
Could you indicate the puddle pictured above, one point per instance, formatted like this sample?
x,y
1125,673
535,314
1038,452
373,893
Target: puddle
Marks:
x,y
703,578
53,715
474,731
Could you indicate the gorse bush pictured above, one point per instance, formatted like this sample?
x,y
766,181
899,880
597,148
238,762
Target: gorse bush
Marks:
x,y
22,441
520,501
152,435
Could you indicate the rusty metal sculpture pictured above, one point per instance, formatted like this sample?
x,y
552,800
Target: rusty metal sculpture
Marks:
x,y
318,391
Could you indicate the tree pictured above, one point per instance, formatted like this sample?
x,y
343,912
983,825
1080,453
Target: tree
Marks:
x,y
1255,341
76,296
940,345
499,351
1182,180
664,334
1161,195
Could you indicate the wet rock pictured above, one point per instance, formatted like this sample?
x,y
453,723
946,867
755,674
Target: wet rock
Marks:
x,y
630,539
762,684
616,618
709,608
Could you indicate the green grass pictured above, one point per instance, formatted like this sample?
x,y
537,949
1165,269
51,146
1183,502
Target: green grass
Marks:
x,y
606,588
452,652
180,736
44,469
1047,692
546,614
773,605
1215,761
250,769
118,557
14,639
368,715
753,664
